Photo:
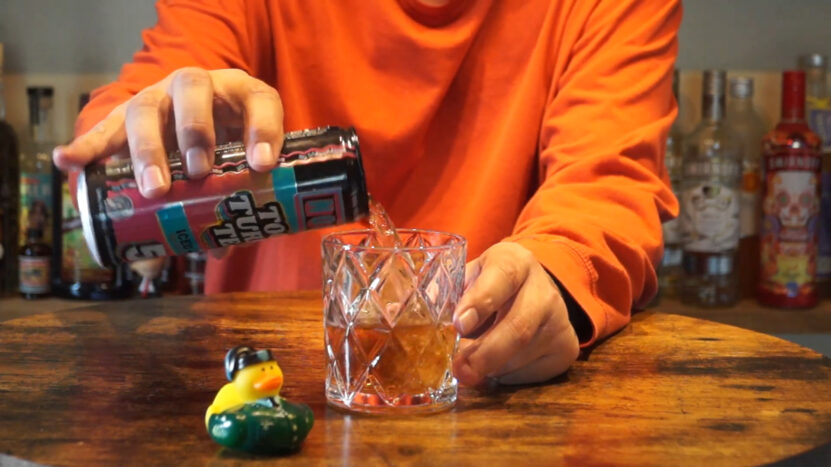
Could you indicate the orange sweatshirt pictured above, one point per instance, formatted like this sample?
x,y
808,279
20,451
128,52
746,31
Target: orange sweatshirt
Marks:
x,y
538,121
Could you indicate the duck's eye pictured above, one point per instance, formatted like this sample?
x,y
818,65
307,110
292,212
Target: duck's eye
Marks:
x,y
262,369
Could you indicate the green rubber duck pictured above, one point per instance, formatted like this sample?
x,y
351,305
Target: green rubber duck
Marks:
x,y
248,413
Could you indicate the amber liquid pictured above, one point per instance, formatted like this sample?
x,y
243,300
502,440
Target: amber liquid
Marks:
x,y
413,361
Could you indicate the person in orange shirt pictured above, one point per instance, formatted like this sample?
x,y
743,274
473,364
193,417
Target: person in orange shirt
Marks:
x,y
536,129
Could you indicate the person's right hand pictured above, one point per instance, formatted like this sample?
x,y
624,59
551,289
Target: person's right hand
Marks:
x,y
184,111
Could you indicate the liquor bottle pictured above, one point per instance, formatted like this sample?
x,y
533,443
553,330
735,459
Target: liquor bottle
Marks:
x,y
710,200
36,210
818,115
9,180
670,271
791,170
75,274
34,257
747,125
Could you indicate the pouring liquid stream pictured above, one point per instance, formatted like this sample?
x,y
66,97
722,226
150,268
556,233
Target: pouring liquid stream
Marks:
x,y
380,222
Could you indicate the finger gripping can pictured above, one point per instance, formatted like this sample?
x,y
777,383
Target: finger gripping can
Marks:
x,y
318,182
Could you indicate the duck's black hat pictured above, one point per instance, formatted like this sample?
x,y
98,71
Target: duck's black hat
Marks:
x,y
242,356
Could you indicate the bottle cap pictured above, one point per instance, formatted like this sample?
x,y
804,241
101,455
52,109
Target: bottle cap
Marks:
x,y
741,87
40,91
40,98
813,60
714,82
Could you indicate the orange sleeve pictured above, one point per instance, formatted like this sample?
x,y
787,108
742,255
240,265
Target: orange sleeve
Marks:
x,y
595,221
211,34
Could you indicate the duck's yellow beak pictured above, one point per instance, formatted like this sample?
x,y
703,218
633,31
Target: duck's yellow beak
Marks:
x,y
269,383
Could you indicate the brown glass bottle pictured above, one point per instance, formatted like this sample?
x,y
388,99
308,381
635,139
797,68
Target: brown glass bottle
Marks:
x,y
35,257
791,198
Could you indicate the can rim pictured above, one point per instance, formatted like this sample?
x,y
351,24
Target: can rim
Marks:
x,y
86,218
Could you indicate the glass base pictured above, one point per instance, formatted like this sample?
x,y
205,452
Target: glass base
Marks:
x,y
364,403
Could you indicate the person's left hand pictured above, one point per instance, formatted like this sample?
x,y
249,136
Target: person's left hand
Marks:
x,y
517,319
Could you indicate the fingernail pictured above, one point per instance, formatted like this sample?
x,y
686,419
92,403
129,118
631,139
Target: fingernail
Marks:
x,y
152,178
263,156
197,161
466,321
57,155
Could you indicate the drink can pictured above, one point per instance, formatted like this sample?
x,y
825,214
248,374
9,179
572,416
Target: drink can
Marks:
x,y
318,182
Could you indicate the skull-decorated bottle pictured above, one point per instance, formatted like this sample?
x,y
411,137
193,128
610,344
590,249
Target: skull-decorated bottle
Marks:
x,y
790,204
710,203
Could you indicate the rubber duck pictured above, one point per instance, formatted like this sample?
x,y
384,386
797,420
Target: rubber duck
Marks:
x,y
253,375
248,413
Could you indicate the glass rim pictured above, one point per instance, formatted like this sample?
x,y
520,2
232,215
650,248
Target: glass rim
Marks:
x,y
457,241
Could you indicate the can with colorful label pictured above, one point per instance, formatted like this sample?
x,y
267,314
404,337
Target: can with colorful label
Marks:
x,y
318,182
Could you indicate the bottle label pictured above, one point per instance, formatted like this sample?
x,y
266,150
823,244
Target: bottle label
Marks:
x,y
710,217
751,198
789,230
824,258
34,274
36,205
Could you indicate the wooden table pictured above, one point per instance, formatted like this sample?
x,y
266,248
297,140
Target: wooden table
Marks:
x,y
128,383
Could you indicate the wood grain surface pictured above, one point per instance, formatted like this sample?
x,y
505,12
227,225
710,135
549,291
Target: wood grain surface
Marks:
x,y
127,384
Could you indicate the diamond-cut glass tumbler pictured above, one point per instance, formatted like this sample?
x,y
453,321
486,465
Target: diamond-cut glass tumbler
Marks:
x,y
388,315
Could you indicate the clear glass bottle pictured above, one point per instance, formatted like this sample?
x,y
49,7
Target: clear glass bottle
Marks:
x,y
792,164
9,181
36,210
670,271
818,116
710,203
745,122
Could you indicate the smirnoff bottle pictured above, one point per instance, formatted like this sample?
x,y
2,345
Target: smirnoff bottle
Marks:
x,y
792,165
710,203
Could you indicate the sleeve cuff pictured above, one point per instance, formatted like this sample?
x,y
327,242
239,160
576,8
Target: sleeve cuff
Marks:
x,y
577,280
